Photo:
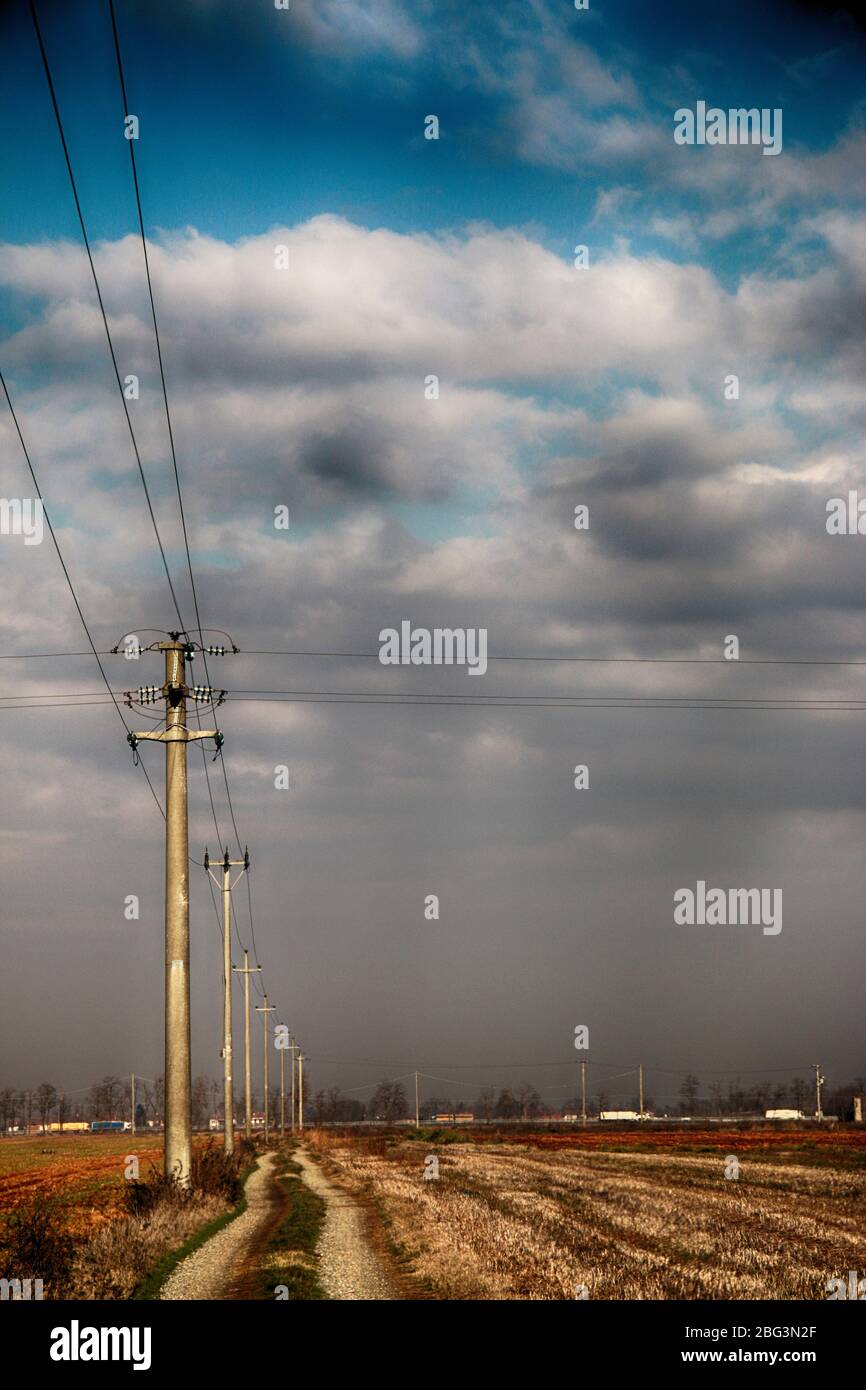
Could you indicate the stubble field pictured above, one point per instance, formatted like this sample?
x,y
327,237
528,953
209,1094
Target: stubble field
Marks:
x,y
550,1220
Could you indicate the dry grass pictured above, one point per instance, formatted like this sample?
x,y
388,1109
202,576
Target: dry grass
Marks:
x,y
68,1216
513,1222
118,1256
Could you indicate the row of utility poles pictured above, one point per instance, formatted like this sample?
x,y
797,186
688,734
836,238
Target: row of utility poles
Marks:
x,y
178,1079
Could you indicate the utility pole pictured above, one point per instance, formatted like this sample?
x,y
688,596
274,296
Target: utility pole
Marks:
x,y
641,1090
264,1010
300,1090
176,736
228,1079
293,1049
819,1081
282,1092
583,1092
417,1120
246,970
132,1101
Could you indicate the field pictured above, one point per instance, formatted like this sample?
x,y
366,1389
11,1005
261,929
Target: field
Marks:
x,y
613,1216
81,1174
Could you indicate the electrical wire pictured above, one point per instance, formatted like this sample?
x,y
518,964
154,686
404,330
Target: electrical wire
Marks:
x,y
47,67
68,578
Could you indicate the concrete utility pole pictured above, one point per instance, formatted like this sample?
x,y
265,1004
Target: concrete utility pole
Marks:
x,y
246,970
176,736
264,1010
819,1081
293,1049
228,1079
282,1092
641,1090
583,1092
417,1120
300,1090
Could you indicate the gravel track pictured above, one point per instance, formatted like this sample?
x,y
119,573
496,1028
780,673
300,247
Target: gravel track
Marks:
x,y
209,1271
349,1268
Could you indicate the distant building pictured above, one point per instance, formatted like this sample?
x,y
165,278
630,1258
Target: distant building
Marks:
x,y
784,1115
465,1117
622,1115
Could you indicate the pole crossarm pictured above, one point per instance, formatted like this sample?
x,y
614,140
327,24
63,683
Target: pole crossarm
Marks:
x,y
176,735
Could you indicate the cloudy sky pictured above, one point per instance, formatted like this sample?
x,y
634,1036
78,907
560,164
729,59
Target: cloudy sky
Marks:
x,y
602,385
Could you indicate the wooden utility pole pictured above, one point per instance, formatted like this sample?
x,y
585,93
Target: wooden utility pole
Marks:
x,y
246,970
228,1078
264,1010
176,736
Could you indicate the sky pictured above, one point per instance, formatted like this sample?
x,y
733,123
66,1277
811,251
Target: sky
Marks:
x,y
604,385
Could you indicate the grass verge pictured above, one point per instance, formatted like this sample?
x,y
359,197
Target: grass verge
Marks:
x,y
288,1261
150,1286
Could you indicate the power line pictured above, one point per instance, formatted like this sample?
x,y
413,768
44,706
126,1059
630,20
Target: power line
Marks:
x,y
449,702
68,578
547,699
542,700
78,210
765,707
638,660
170,429
613,660
131,144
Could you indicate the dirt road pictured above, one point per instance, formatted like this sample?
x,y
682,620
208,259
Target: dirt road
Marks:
x,y
349,1267
212,1270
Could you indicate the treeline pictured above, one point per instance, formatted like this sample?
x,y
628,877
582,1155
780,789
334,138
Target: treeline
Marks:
x,y
111,1099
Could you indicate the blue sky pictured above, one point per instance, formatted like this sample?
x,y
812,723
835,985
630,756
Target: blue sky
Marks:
x,y
296,128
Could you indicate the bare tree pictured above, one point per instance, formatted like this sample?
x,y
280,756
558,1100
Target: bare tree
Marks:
x,y
529,1103
486,1103
7,1107
319,1107
46,1099
199,1101
689,1090
507,1108
388,1102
